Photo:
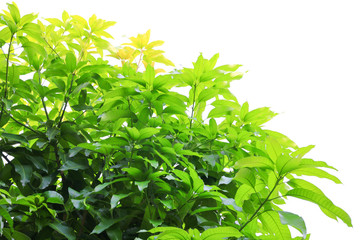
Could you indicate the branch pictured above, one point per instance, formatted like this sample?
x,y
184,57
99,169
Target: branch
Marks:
x,y
6,76
42,99
66,100
53,49
193,107
261,205
25,126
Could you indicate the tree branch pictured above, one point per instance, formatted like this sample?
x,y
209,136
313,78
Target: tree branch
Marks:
x,y
261,205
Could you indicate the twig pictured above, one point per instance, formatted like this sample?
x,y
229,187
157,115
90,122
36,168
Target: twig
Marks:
x,y
261,205
6,76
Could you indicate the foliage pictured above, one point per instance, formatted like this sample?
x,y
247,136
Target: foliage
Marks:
x,y
92,150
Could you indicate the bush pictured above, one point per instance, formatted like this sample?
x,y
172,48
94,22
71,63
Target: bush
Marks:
x,y
92,150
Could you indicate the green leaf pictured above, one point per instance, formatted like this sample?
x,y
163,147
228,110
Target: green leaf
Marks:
x,y
142,185
171,232
282,139
316,173
254,161
293,220
220,112
70,62
272,222
14,11
220,233
321,201
15,235
114,233
244,110
54,197
64,230
243,193
116,115
25,172
246,176
72,165
133,133
207,94
213,128
14,137
174,110
5,214
299,153
104,224
259,116
147,132
197,182
273,148
116,198
149,75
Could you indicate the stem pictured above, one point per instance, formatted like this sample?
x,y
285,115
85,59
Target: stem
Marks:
x,y
25,126
66,100
6,76
140,58
193,107
131,120
261,205
53,49
42,99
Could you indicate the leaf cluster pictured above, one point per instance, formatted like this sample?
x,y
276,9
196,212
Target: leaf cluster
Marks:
x,y
93,150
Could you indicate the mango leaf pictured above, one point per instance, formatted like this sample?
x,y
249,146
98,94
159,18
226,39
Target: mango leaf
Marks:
x,y
147,132
115,115
104,224
176,233
15,137
14,11
271,221
72,165
245,176
53,197
142,185
273,148
116,198
321,201
207,94
25,172
14,235
220,112
293,220
316,173
5,214
64,230
254,161
197,182
220,233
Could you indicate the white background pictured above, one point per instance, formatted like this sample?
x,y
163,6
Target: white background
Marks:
x,y
303,59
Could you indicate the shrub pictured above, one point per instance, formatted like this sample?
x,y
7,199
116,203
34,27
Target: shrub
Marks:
x,y
93,150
